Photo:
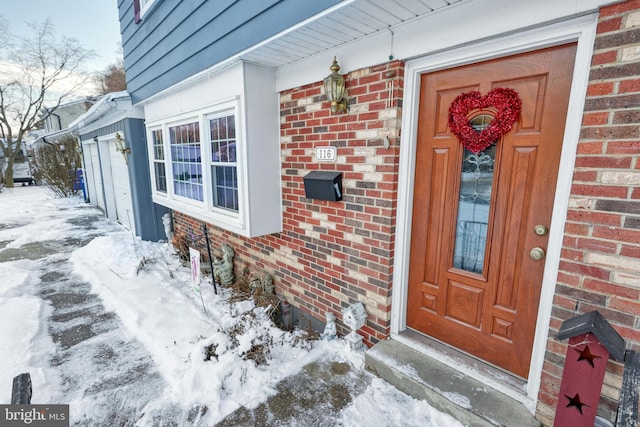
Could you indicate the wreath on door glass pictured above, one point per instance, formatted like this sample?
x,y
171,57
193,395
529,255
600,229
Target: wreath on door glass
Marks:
x,y
505,101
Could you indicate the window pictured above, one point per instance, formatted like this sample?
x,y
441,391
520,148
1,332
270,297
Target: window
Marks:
x,y
200,168
186,162
205,160
158,160
140,7
224,170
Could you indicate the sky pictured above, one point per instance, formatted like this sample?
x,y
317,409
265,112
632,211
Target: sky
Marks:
x,y
93,22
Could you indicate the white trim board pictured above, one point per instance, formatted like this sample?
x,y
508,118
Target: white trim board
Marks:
x,y
580,30
462,24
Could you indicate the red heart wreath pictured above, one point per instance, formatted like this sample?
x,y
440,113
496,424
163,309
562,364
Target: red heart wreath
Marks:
x,y
505,100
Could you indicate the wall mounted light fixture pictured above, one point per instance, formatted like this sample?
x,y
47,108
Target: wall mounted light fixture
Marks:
x,y
121,146
335,90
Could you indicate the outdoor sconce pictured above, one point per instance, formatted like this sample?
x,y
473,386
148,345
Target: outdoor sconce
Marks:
x,y
122,148
334,89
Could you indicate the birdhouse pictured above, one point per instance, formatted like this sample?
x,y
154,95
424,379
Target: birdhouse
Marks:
x,y
591,341
354,317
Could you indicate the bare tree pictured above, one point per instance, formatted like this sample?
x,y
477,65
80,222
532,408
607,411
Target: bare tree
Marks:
x,y
112,79
36,71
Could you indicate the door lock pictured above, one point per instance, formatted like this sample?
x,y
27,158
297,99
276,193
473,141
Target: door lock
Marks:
x,y
537,253
540,230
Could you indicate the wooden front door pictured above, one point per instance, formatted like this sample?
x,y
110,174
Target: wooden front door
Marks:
x,y
473,281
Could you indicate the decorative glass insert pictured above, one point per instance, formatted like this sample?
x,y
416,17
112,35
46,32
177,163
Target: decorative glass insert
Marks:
x,y
186,160
224,169
158,161
474,204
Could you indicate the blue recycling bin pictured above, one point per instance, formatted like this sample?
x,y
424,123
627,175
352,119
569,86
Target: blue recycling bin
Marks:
x,y
78,183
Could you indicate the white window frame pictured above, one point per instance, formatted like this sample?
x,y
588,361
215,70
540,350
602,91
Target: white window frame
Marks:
x,y
211,163
172,161
205,209
145,5
154,161
249,91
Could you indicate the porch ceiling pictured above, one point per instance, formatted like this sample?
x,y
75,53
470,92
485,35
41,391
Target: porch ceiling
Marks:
x,y
346,22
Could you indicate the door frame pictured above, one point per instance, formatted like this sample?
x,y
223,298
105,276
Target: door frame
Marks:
x,y
580,30
107,177
115,157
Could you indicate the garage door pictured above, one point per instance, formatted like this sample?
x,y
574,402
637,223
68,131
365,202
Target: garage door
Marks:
x,y
95,188
121,186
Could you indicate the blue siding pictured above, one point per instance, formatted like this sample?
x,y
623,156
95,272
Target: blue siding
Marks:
x,y
176,40
147,215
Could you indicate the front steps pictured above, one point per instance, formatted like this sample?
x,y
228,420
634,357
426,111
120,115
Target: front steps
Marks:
x,y
448,390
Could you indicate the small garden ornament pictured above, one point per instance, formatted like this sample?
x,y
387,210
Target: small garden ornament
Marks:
x,y
354,317
166,221
223,268
330,328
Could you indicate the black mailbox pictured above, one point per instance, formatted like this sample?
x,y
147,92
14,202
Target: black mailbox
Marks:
x,y
323,185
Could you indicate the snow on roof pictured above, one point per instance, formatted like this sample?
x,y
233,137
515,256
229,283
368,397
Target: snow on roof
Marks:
x,y
102,108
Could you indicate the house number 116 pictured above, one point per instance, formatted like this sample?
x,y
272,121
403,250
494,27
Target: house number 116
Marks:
x,y
326,154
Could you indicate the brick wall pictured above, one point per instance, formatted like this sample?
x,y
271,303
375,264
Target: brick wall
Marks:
x,y
332,254
600,260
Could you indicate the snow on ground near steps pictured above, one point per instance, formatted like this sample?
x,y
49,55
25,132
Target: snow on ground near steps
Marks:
x,y
158,305
166,314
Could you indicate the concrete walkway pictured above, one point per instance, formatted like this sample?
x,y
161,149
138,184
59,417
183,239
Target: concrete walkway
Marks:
x,y
95,362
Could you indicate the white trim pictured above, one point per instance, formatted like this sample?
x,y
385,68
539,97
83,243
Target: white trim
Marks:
x,y
250,91
435,32
193,113
580,29
204,210
144,8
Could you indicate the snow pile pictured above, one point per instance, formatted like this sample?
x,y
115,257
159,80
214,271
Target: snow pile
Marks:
x,y
167,315
209,352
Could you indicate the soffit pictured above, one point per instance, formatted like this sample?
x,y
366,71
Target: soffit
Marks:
x,y
345,23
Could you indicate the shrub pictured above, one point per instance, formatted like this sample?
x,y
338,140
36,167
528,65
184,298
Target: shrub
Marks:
x,y
56,166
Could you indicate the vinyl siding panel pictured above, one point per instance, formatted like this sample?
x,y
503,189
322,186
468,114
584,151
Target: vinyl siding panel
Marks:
x,y
176,40
147,215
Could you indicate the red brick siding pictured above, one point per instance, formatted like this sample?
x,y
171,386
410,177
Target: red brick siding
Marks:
x,y
332,254
599,266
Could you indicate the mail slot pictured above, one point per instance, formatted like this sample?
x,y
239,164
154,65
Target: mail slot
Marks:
x,y
323,185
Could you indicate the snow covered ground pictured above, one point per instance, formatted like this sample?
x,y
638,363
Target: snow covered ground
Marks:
x,y
156,304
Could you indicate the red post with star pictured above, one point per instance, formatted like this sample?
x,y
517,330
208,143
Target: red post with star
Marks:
x,y
591,341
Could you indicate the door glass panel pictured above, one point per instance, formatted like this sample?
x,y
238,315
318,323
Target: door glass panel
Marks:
x,y
474,203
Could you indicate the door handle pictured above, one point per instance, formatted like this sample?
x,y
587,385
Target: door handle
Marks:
x,y
537,253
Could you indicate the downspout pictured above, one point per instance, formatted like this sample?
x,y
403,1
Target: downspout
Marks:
x,y
59,121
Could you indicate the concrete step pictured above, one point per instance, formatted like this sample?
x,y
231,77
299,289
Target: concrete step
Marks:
x,y
448,390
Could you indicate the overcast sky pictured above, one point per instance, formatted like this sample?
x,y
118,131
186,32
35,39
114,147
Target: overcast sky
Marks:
x,y
93,22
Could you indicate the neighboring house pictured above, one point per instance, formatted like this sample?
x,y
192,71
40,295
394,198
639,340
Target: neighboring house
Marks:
x,y
61,117
57,120
116,169
486,253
